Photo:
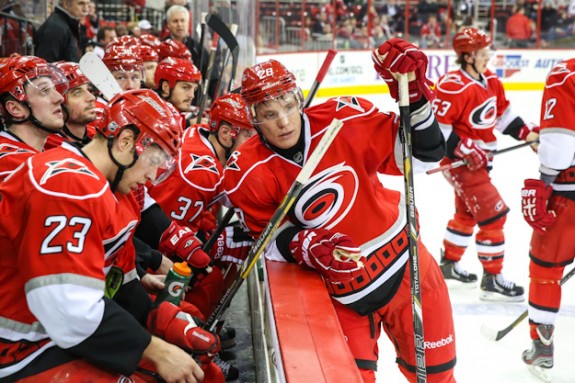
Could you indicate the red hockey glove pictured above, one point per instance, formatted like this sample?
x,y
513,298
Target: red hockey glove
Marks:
x,y
233,245
534,197
170,323
530,132
475,157
180,241
333,255
399,56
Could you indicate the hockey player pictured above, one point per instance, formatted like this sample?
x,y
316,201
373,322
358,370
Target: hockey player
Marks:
x,y
549,207
177,81
31,97
345,209
79,108
126,66
470,105
78,210
149,57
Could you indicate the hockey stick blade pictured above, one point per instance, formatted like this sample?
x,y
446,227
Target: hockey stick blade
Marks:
x,y
277,218
99,75
218,26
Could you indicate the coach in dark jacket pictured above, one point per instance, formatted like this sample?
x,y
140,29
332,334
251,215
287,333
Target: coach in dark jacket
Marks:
x,y
57,39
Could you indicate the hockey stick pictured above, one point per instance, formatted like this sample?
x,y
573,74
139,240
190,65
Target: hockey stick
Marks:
x,y
412,231
495,335
99,75
202,42
276,219
218,93
320,76
220,30
459,163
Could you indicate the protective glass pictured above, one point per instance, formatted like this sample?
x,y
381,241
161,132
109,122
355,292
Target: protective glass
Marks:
x,y
277,108
155,158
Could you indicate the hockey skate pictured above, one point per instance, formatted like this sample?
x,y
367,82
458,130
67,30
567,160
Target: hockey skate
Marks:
x,y
539,358
454,275
494,287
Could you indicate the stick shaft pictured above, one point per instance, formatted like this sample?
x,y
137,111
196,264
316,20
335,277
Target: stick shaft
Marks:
x,y
501,333
459,163
320,76
412,232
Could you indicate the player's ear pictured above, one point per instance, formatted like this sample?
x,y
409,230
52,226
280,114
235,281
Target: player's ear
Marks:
x,y
125,140
225,134
16,109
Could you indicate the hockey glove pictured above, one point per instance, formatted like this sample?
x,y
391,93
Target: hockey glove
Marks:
x,y
399,56
180,241
534,197
179,327
530,132
333,255
233,245
473,155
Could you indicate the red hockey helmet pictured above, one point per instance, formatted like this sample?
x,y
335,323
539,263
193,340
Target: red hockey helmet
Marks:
x,y
174,69
120,57
146,53
150,40
265,81
232,109
174,48
72,72
17,71
149,113
469,40
124,41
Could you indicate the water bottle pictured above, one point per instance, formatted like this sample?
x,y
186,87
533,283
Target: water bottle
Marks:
x,y
176,281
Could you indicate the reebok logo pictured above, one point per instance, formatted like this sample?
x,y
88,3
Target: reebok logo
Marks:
x,y
440,343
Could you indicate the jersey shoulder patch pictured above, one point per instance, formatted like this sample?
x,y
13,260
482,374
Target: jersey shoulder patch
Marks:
x,y
560,73
63,173
452,83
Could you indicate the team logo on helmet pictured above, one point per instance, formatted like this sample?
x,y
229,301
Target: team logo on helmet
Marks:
x,y
68,165
327,198
484,116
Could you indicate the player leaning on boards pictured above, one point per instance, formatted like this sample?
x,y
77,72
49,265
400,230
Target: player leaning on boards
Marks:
x,y
345,216
470,106
549,207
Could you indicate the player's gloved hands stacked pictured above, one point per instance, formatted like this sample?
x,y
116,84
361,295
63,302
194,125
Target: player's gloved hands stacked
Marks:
x,y
181,326
333,255
529,133
180,241
473,155
534,198
233,245
399,56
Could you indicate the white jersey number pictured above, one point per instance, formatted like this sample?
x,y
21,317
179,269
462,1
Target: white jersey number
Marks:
x,y
440,107
51,245
183,209
549,105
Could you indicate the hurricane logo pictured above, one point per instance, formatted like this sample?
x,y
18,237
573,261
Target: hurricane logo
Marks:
x,y
484,116
327,197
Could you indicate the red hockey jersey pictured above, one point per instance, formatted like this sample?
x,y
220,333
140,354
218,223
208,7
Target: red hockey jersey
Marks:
x,y
13,152
61,229
343,195
185,195
469,107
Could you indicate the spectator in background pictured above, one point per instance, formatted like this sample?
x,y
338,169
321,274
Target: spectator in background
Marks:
x,y
59,37
431,34
105,35
518,29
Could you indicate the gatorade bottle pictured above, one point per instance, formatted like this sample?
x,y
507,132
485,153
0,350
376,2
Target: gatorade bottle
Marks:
x,y
176,281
